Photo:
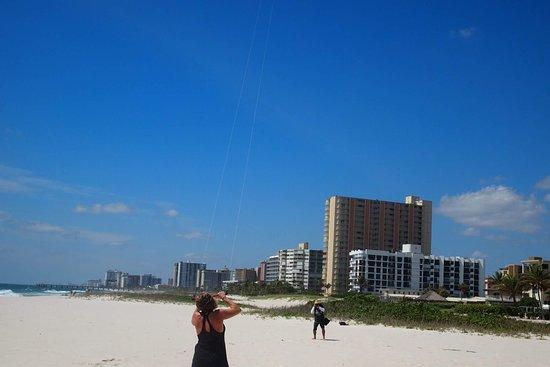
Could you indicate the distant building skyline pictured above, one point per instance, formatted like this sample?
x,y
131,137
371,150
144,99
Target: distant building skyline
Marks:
x,y
120,279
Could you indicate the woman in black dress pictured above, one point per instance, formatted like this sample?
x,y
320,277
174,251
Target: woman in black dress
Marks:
x,y
208,322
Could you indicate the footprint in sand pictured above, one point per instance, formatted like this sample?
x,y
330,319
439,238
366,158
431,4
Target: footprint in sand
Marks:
x,y
459,350
107,362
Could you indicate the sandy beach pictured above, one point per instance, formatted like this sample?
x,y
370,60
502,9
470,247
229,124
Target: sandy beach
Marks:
x,y
62,331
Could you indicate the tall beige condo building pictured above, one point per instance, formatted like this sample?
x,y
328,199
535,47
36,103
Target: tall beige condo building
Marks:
x,y
359,224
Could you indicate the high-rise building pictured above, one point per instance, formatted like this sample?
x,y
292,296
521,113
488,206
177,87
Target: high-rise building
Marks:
x,y
260,271
272,269
112,279
119,278
225,274
129,281
146,280
358,224
245,275
208,280
411,272
301,267
185,274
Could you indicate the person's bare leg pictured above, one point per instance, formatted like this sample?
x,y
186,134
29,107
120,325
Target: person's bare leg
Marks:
x,y
323,330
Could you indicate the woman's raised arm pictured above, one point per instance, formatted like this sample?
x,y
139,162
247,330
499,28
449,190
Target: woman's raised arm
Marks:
x,y
230,311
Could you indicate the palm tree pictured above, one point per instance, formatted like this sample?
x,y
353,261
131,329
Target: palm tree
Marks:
x,y
496,283
442,292
463,287
538,279
512,285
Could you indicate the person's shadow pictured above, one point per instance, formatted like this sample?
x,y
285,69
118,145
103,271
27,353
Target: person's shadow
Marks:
x,y
331,340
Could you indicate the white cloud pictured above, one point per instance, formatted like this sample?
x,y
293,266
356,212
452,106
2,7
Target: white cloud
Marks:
x,y
44,228
80,209
544,184
15,180
103,238
110,208
466,32
9,186
171,213
478,254
471,232
496,207
194,235
92,237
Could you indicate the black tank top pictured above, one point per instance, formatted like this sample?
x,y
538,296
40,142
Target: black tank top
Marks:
x,y
210,349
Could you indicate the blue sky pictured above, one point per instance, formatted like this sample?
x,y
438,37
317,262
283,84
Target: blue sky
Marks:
x,y
115,119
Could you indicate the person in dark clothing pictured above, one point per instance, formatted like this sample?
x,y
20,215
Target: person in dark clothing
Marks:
x,y
318,312
208,322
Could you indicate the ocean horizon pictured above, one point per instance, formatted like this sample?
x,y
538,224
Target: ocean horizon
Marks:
x,y
29,290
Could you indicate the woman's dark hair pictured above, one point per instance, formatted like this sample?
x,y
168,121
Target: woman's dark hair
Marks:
x,y
205,303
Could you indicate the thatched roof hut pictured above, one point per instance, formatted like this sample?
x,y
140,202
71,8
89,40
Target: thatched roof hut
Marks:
x,y
431,296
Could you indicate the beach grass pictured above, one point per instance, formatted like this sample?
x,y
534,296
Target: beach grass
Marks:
x,y
409,314
364,309
176,297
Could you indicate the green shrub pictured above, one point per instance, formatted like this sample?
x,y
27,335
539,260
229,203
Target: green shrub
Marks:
x,y
529,302
260,289
479,308
485,320
353,297
369,310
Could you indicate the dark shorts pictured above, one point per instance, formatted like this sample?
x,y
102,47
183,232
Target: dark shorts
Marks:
x,y
318,323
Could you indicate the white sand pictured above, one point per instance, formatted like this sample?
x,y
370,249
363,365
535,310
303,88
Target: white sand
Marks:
x,y
58,331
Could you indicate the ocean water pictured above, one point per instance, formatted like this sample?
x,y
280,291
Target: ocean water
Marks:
x,y
26,290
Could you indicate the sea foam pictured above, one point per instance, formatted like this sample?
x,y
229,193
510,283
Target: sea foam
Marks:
x,y
8,293
53,291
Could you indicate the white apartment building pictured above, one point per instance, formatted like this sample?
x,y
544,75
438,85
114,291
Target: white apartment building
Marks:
x,y
272,269
301,267
411,272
